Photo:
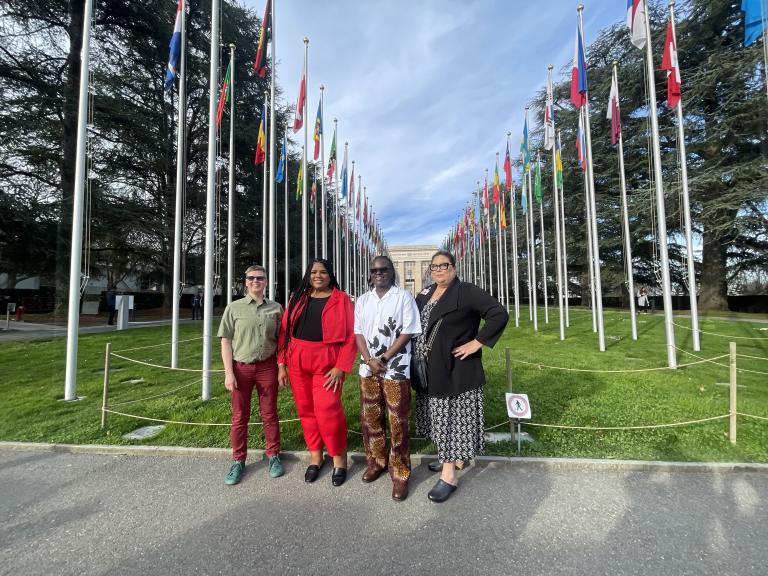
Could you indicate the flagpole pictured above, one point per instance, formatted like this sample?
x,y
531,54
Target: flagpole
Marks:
x,y
265,189
180,181
231,197
480,240
543,253
73,310
324,213
534,295
566,280
593,210
304,223
505,259
487,206
692,292
515,274
336,241
286,243
590,259
625,216
555,196
210,212
272,205
346,227
527,246
314,208
661,215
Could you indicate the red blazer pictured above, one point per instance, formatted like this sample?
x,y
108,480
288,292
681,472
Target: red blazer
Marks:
x,y
338,320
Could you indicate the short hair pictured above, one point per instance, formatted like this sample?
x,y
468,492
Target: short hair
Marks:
x,y
391,266
255,268
451,257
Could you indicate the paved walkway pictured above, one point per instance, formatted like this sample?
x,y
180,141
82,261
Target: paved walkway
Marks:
x,y
101,514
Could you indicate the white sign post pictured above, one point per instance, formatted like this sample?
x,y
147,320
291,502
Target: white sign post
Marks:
x,y
518,407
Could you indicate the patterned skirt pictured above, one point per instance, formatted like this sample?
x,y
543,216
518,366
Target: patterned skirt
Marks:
x,y
454,424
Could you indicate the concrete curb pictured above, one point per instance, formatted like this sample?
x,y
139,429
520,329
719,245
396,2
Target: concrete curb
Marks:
x,y
416,459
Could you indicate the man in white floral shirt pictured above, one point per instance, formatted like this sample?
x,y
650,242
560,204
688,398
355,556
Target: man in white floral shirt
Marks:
x,y
386,317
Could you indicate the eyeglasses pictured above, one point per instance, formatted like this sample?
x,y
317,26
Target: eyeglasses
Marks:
x,y
436,267
379,270
256,278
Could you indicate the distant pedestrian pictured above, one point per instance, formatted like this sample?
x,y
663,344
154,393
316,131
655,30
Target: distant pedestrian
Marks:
x,y
249,332
643,301
197,306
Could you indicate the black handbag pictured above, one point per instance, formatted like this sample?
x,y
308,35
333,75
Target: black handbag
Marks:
x,y
420,364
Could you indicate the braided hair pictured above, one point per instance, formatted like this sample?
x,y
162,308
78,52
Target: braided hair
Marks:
x,y
391,266
300,297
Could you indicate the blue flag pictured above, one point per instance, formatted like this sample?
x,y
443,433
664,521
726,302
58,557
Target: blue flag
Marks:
x,y
281,165
755,19
173,58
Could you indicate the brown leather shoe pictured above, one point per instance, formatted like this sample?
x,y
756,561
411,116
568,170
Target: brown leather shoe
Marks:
x,y
399,490
372,474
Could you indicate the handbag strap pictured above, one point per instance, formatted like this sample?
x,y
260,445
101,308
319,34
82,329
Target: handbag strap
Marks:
x,y
432,334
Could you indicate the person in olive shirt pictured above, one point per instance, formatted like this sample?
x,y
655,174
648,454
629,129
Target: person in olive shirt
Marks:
x,y
249,329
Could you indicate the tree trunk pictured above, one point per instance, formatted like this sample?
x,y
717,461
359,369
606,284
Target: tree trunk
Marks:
x,y
714,283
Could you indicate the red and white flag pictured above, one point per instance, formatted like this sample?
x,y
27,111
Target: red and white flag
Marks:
x,y
670,64
613,111
636,22
298,113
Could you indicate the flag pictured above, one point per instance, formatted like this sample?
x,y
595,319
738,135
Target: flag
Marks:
x,y
526,156
579,72
537,180
352,186
357,210
344,174
314,194
485,194
300,180
298,112
755,19
581,145
265,35
281,165
224,94
261,141
613,111
332,158
669,63
318,131
507,170
503,221
175,52
524,195
636,22
549,117
559,164
496,183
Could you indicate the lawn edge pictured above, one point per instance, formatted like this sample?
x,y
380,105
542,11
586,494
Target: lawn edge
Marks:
x,y
416,459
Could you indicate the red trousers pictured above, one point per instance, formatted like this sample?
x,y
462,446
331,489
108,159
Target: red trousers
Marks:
x,y
320,411
262,376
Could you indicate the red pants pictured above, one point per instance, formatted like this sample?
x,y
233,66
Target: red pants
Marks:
x,y
320,410
262,375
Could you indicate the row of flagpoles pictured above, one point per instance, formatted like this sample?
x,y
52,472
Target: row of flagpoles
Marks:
x,y
471,237
357,234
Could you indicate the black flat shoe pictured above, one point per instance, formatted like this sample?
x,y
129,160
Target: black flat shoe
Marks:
x,y
339,476
441,491
313,471
436,466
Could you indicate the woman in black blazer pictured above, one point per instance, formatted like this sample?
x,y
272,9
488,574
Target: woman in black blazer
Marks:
x,y
451,411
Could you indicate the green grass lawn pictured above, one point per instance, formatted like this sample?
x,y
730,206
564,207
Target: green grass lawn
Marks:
x,y
32,385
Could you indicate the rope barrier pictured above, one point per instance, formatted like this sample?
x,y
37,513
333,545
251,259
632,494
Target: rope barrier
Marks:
x,y
159,345
189,423
720,335
157,395
752,357
724,365
646,427
752,416
164,367
540,366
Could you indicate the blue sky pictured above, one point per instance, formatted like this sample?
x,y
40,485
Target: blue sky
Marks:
x,y
426,91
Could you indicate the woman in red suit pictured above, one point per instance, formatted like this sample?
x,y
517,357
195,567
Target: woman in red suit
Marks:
x,y
316,350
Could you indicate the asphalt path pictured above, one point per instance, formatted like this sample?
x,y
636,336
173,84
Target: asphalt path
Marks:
x,y
103,514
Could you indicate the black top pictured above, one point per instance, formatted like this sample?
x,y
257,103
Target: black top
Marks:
x,y
310,325
462,307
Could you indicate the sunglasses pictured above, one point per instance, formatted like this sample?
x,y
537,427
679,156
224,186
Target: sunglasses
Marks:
x,y
256,278
379,270
443,266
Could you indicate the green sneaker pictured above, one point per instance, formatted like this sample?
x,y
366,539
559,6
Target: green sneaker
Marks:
x,y
275,467
235,472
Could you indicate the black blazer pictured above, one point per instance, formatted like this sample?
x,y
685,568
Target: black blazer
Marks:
x,y
461,307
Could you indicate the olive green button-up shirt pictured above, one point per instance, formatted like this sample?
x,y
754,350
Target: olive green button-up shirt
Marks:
x,y
252,326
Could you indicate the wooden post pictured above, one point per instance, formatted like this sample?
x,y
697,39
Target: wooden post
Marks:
x,y
732,426
105,395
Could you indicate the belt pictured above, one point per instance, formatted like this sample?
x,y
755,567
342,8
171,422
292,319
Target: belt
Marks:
x,y
255,361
